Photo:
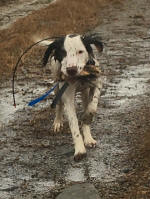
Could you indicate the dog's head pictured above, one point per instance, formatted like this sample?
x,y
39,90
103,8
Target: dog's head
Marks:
x,y
73,52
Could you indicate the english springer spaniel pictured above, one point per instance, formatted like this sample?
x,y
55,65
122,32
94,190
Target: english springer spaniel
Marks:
x,y
68,57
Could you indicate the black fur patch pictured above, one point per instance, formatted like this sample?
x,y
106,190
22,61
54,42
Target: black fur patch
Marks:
x,y
92,39
59,54
55,49
73,35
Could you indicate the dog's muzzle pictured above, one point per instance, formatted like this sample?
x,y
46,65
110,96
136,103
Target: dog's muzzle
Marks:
x,y
72,71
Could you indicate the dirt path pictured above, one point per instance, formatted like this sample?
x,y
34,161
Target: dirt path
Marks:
x,y
37,164
10,12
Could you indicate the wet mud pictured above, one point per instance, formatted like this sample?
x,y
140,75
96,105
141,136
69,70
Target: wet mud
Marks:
x,y
10,11
36,163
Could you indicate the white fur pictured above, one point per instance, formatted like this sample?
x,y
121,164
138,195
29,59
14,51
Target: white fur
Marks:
x,y
58,122
90,106
42,43
77,56
69,108
88,140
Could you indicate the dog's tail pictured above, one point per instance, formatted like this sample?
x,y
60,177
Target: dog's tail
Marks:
x,y
42,43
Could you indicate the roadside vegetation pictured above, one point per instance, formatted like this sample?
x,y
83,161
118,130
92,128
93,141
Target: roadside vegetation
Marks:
x,y
57,19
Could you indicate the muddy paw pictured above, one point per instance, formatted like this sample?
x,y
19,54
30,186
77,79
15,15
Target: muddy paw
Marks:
x,y
90,143
79,156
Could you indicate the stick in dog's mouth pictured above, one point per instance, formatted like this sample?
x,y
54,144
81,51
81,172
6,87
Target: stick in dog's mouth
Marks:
x,y
89,71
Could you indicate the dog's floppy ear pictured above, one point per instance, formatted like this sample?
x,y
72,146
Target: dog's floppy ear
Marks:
x,y
92,39
51,49
48,52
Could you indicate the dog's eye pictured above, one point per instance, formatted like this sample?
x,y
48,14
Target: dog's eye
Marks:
x,y
80,51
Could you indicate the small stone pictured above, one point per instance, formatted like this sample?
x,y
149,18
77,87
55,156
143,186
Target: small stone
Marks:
x,y
126,170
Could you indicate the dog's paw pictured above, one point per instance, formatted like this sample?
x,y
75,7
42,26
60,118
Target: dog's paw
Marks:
x,y
89,114
80,153
90,143
79,156
58,126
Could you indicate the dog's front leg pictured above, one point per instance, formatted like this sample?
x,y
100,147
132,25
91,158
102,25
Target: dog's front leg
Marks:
x,y
69,108
58,122
88,139
94,95
90,107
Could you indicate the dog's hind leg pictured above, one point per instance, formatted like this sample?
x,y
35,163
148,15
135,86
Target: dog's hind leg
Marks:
x,y
69,108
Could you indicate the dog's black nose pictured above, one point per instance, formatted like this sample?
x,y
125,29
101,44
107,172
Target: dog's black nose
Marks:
x,y
72,71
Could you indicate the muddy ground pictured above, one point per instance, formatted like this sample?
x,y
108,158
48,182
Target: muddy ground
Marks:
x,y
12,10
35,163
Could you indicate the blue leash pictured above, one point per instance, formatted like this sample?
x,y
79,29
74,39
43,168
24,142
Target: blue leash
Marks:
x,y
33,102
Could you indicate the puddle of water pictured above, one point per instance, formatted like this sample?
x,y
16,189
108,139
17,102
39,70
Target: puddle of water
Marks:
x,y
75,175
102,172
7,184
132,83
7,108
101,168
135,82
43,186
23,97
4,195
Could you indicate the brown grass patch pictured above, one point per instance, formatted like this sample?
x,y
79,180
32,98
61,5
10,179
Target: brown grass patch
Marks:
x,y
65,16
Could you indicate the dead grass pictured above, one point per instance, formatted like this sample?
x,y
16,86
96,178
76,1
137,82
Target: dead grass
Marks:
x,y
65,16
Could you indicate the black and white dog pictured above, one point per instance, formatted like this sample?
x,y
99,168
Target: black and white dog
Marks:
x,y
68,56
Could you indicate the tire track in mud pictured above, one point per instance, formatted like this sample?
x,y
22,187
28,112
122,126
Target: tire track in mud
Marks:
x,y
37,164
